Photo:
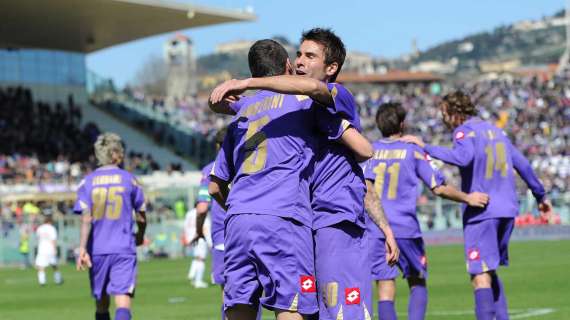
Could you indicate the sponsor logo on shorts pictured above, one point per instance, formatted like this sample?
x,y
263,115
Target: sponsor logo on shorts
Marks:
x,y
351,296
473,255
459,135
308,284
423,260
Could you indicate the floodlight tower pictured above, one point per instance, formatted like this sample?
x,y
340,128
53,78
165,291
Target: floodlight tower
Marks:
x,y
181,62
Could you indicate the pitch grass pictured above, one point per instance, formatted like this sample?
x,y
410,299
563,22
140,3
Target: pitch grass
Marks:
x,y
536,279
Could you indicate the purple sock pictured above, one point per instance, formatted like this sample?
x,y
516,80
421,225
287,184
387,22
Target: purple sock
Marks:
x,y
386,310
418,303
501,307
102,316
122,314
484,304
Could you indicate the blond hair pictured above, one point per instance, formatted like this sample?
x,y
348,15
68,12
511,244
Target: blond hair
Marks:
x,y
109,149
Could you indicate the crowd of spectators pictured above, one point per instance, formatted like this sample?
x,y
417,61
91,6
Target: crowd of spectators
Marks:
x,y
45,144
191,112
534,112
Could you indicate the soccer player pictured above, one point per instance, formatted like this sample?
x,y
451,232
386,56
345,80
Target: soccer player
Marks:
x,y
47,251
107,199
486,160
338,188
199,248
267,155
396,171
218,215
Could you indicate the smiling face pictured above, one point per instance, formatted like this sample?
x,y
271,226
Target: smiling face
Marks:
x,y
310,62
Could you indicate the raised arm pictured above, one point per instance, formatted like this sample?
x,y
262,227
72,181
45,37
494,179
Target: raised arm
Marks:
x,y
357,143
224,106
460,155
286,84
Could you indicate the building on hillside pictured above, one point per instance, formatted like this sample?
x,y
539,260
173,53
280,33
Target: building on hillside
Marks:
x,y
238,47
487,66
434,66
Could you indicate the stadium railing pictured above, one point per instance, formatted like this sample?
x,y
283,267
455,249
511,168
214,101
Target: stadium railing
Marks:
x,y
182,138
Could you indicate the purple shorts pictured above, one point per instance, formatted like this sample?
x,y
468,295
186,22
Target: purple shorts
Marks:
x,y
412,262
343,272
269,260
487,244
218,266
113,274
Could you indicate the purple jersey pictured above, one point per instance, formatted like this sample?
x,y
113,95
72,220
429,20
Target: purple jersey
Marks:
x,y
486,159
397,168
268,154
111,195
217,214
338,186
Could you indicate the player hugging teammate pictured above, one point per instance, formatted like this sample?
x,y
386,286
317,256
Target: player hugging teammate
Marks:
x,y
296,209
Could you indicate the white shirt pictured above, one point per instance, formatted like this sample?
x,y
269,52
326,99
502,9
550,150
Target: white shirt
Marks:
x,y
190,226
47,235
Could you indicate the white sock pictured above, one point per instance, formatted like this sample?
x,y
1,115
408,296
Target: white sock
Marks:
x,y
57,278
192,271
42,277
200,267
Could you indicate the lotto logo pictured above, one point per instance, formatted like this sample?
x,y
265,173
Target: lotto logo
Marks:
x,y
308,284
459,135
423,260
473,255
352,296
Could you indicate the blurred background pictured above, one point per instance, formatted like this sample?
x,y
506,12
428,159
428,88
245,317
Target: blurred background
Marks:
x,y
144,70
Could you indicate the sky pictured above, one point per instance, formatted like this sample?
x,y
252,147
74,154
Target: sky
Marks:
x,y
379,27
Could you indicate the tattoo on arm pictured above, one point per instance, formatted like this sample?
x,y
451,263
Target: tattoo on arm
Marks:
x,y
374,207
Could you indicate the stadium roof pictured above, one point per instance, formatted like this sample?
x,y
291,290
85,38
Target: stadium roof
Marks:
x,y
90,25
395,76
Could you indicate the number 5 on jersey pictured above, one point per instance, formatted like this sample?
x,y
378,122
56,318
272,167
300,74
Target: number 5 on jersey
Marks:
x,y
255,146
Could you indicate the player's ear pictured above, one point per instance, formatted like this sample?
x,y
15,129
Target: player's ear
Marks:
x,y
288,67
331,69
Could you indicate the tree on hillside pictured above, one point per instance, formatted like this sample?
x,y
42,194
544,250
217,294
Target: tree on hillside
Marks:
x,y
152,76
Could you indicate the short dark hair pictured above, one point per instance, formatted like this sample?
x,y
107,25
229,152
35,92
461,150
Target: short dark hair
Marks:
x,y
389,118
333,45
459,103
267,58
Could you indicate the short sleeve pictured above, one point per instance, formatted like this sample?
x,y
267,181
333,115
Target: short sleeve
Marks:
x,y
369,170
425,170
344,104
203,195
137,196
83,201
331,125
236,106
